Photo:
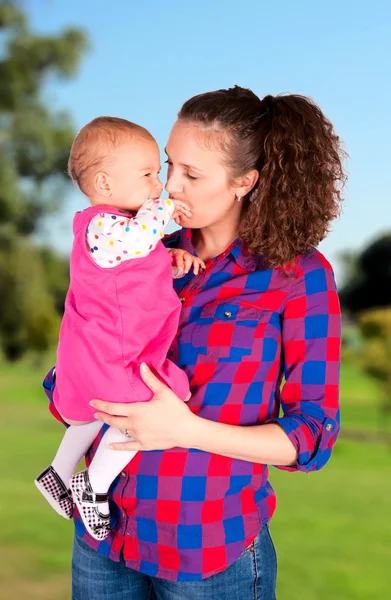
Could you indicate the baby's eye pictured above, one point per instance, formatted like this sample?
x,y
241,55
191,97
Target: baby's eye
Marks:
x,y
147,175
190,176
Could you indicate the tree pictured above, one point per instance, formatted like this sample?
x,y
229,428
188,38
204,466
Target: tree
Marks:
x,y
34,148
375,327
28,319
369,283
367,298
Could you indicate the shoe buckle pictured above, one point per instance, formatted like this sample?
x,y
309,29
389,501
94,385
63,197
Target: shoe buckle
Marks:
x,y
65,496
93,498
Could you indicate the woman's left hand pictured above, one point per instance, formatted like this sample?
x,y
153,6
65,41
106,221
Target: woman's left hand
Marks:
x,y
164,422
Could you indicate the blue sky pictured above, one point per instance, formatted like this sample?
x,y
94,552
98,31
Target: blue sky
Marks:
x,y
147,58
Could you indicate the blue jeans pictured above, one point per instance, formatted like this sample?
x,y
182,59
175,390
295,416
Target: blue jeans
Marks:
x,y
251,577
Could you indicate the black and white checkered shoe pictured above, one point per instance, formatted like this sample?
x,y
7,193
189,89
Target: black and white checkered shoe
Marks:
x,y
55,491
87,502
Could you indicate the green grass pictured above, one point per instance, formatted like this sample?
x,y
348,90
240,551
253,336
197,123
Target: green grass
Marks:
x,y
331,529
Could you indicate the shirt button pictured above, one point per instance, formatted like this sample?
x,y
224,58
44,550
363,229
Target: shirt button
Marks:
x,y
329,427
182,299
123,474
228,314
252,547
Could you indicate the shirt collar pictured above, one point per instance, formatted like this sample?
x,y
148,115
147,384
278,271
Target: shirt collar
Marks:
x,y
242,257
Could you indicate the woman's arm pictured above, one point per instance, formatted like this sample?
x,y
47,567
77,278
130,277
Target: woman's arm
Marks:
x,y
167,422
266,444
311,340
302,439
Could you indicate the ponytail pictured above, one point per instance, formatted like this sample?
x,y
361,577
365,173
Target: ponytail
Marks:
x,y
299,158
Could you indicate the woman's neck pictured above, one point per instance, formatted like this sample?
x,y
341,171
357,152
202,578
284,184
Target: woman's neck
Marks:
x,y
209,242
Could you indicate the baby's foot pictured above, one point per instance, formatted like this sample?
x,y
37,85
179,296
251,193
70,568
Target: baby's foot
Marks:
x,y
87,502
55,491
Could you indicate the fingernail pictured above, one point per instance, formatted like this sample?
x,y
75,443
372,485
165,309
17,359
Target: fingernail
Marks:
x,y
92,403
144,367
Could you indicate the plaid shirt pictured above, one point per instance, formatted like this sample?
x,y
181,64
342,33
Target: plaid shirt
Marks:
x,y
185,514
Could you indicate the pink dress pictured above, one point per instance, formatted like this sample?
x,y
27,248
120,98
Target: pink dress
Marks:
x,y
114,320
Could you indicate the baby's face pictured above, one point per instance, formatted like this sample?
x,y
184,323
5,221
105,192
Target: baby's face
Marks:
x,y
135,174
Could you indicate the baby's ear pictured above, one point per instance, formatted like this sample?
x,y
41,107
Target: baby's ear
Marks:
x,y
103,184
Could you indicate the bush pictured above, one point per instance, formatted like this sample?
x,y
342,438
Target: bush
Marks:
x,y
375,326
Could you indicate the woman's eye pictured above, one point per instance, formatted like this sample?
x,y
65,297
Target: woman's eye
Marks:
x,y
147,175
169,163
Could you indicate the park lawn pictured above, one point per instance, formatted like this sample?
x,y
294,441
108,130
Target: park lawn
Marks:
x,y
331,529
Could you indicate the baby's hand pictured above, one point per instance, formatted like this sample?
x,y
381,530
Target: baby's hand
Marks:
x,y
181,211
183,260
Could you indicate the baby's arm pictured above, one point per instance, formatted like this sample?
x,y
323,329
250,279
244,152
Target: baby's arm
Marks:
x,y
113,238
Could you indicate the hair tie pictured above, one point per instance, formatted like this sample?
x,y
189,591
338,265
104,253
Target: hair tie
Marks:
x,y
268,106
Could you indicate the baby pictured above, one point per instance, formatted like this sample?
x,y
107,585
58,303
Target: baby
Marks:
x,y
120,310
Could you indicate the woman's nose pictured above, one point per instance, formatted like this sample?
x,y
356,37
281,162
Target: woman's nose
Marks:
x,y
173,186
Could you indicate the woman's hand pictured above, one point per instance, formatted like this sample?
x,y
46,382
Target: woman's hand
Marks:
x,y
164,422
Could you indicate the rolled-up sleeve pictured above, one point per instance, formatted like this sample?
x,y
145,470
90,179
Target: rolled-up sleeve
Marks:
x,y
311,339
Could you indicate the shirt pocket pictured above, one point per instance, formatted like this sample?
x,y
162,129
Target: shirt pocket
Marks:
x,y
226,331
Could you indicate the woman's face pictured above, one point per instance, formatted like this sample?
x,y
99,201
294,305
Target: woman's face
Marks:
x,y
196,175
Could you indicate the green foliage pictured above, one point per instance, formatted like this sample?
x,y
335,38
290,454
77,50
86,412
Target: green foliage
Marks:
x,y
368,277
375,327
29,58
56,271
28,318
34,149
34,141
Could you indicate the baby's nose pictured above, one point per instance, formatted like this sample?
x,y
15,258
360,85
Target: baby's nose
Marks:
x,y
158,188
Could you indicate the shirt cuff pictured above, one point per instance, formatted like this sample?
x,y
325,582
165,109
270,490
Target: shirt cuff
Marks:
x,y
312,440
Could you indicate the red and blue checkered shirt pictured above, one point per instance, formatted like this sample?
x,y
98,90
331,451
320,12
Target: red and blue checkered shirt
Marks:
x,y
182,514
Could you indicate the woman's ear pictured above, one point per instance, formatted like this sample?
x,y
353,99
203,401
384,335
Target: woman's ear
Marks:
x,y
103,184
243,185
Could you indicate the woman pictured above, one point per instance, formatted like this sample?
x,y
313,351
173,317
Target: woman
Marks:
x,y
262,179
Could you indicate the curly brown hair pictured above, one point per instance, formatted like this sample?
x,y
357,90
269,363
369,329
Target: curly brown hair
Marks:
x,y
298,155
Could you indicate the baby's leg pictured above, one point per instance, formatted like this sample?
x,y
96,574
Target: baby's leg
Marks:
x,y
75,443
108,463
90,487
53,482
